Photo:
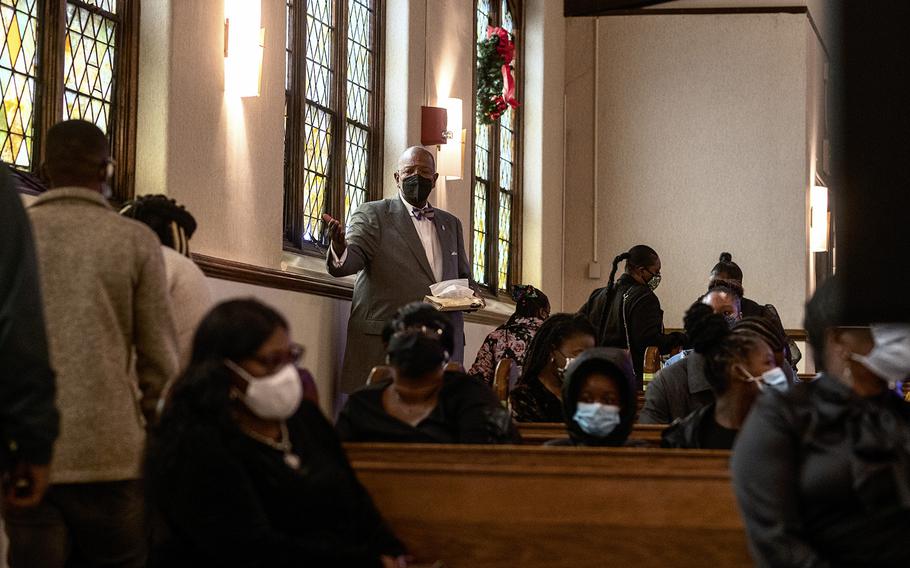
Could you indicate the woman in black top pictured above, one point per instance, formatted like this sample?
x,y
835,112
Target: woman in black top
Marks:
x,y
737,364
242,472
822,473
538,396
728,274
422,402
627,313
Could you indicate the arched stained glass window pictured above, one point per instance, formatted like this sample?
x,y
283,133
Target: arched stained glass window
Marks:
x,y
88,64
64,59
495,219
331,130
18,80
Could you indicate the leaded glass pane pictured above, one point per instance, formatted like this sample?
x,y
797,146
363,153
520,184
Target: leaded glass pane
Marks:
x,y
288,46
484,12
88,66
508,23
360,60
320,35
482,151
505,238
109,6
317,139
506,150
479,223
357,159
18,59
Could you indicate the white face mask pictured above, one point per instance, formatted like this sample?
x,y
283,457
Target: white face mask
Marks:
x,y
890,358
776,378
597,419
273,397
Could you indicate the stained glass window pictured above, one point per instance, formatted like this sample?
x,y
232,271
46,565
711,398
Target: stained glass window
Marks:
x,y
88,66
494,218
337,132
18,61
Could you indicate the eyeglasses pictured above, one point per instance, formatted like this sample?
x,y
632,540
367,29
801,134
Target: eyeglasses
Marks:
x,y
292,356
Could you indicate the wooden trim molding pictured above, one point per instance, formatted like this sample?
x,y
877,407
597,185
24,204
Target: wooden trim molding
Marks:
x,y
629,9
328,286
272,278
794,334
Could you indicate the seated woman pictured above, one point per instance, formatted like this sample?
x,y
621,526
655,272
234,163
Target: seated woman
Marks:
x,y
599,398
736,366
821,472
511,339
241,471
538,396
774,336
423,403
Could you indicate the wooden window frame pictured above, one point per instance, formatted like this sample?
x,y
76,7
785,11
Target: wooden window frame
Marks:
x,y
50,87
295,151
492,289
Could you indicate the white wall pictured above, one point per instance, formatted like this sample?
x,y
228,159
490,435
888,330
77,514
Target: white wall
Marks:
x,y
703,149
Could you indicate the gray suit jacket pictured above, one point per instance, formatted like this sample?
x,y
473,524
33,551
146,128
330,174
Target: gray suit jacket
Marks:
x,y
383,247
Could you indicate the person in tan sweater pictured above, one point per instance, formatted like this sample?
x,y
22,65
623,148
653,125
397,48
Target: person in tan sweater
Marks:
x,y
113,346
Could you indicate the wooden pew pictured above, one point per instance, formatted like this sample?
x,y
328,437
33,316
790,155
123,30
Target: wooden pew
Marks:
x,y
556,507
540,432
501,380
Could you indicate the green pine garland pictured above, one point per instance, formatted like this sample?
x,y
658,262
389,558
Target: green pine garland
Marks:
x,y
489,80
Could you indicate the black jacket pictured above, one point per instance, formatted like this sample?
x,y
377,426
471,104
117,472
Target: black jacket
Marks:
x,y
823,477
220,498
29,421
643,315
611,362
685,432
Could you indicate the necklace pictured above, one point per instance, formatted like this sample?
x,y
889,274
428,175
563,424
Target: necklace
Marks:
x,y
291,459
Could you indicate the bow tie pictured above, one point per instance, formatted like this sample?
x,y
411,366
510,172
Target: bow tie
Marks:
x,y
426,213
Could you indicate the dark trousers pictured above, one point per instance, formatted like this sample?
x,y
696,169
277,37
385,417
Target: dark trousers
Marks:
x,y
81,524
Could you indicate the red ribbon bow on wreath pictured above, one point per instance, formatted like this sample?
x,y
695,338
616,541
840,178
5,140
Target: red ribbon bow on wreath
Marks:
x,y
506,49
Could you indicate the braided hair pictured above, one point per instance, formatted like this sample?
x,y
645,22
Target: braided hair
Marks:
x,y
529,302
173,224
770,332
721,348
552,333
639,255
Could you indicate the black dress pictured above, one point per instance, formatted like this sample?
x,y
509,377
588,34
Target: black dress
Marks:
x,y
640,312
823,478
467,413
533,402
224,499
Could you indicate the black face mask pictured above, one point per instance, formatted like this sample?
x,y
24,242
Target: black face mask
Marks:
x,y
415,354
416,189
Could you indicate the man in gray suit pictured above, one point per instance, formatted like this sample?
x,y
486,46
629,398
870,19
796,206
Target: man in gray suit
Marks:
x,y
399,247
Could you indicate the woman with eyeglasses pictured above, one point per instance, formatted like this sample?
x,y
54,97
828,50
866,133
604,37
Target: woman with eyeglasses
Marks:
x,y
627,314
242,470
422,402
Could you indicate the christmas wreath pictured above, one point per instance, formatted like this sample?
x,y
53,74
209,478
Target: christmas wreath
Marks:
x,y
495,83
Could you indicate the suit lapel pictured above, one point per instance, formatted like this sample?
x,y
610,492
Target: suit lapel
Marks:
x,y
445,232
403,224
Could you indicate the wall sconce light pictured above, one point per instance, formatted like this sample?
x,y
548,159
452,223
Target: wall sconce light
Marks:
x,y
818,219
244,42
451,155
432,126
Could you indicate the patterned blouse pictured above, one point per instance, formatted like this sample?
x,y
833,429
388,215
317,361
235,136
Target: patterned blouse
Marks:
x,y
509,340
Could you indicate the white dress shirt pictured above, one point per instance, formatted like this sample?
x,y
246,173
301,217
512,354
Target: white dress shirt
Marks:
x,y
426,231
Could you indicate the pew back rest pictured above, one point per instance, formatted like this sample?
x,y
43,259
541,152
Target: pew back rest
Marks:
x,y
501,380
556,507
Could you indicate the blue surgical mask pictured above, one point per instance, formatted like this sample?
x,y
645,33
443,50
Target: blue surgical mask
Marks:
x,y
597,419
776,378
